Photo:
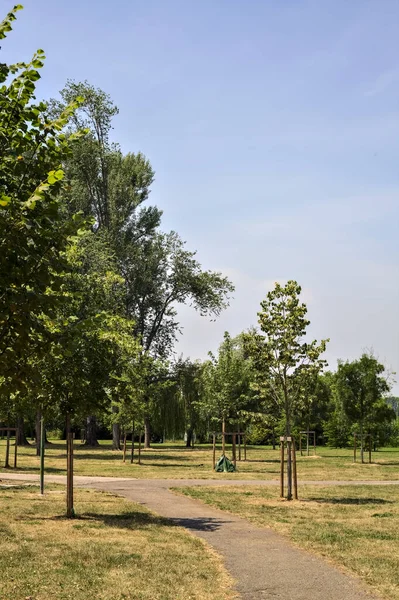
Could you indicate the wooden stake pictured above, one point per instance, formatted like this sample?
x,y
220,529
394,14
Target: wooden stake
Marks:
x,y
307,442
70,511
234,451
15,448
239,442
214,451
132,453
289,470
294,469
282,469
124,447
139,460
245,446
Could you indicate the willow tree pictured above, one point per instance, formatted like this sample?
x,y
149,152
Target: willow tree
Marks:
x,y
283,361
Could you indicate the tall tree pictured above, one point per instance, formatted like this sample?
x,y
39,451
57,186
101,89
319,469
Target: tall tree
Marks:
x,y
282,359
161,275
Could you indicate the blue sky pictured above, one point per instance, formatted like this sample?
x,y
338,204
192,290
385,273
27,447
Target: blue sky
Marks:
x,y
273,128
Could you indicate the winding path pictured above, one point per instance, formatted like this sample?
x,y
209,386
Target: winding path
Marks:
x,y
263,563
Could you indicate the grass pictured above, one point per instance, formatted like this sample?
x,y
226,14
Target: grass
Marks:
x,y
357,528
175,461
114,549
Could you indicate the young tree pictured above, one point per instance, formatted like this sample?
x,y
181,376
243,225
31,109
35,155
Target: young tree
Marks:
x,y
361,385
283,361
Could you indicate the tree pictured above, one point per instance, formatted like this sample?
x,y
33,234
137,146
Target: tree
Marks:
x,y
34,233
161,274
361,386
336,427
104,183
226,384
282,360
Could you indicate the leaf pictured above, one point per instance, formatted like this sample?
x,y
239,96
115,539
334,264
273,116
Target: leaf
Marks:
x,y
5,200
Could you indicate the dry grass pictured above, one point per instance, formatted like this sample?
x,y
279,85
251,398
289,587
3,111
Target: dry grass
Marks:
x,y
114,550
357,528
176,461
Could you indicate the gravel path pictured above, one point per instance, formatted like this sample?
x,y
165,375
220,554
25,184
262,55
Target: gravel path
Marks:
x,y
263,563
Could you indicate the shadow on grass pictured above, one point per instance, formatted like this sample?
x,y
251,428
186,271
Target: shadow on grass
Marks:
x,y
139,520
134,520
349,501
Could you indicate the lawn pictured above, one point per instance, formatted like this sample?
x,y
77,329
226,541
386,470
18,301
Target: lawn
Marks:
x,y
173,460
357,528
114,549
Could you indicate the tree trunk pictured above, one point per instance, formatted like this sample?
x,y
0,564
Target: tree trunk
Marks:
x,y
116,436
189,435
116,432
147,432
91,431
22,440
223,437
273,439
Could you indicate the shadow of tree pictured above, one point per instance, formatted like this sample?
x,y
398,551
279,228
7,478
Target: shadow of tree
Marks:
x,y
344,500
135,520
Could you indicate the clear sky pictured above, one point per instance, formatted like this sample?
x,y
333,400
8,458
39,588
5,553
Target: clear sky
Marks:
x,y
273,128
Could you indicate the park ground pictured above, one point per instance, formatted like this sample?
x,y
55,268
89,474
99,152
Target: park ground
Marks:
x,y
174,461
135,554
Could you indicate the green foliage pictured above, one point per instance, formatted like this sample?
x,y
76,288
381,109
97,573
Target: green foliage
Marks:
x,y
284,363
226,383
361,386
34,235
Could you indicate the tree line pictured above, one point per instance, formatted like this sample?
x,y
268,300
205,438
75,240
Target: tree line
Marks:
x,y
90,289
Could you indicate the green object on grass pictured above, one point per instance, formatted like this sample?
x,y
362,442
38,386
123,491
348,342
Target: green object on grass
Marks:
x,y
224,465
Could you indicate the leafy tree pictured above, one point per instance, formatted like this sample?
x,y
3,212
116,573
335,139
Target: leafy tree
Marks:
x,y
158,271
104,183
361,385
161,275
282,360
34,233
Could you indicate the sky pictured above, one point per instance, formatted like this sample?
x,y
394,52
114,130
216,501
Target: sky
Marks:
x,y
273,129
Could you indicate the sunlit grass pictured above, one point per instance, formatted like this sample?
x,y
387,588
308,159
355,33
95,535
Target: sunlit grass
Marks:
x,y
114,549
173,460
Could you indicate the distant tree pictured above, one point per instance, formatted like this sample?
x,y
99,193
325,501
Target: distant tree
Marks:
x,y
282,360
361,386
226,384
